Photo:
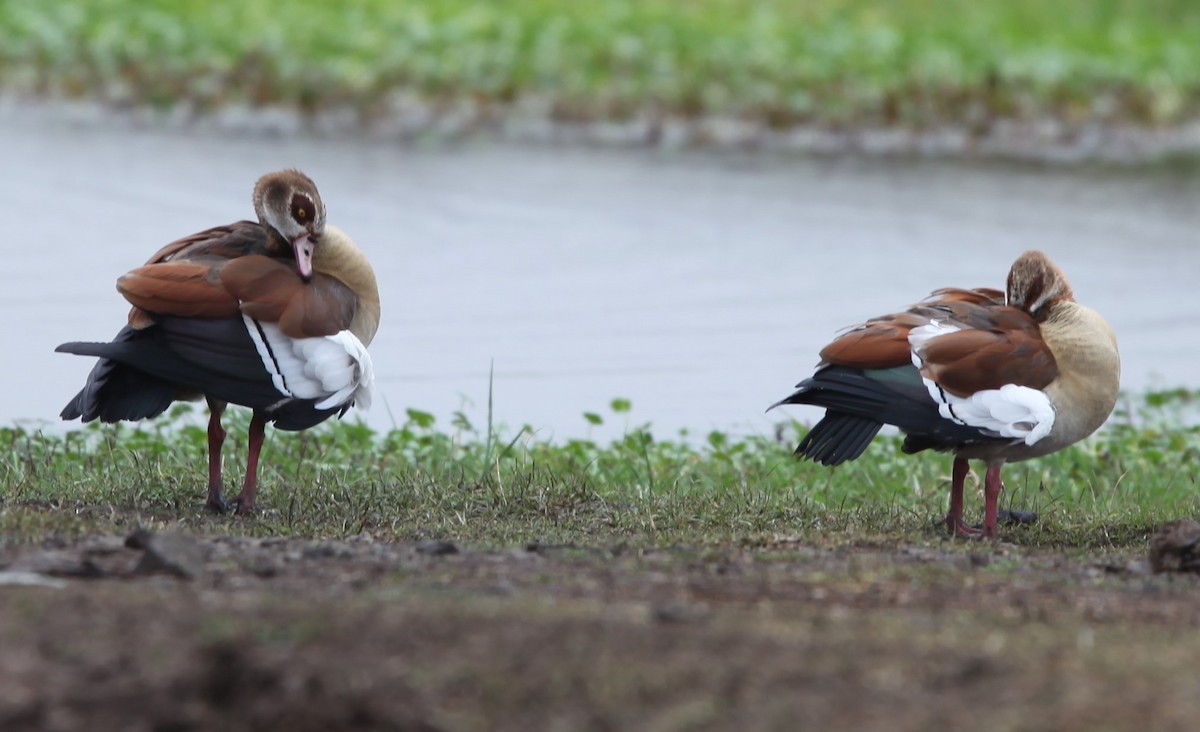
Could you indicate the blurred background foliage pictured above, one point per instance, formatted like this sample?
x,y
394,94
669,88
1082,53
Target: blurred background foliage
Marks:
x,y
780,63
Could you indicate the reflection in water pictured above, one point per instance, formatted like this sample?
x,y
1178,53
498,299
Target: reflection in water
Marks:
x,y
698,286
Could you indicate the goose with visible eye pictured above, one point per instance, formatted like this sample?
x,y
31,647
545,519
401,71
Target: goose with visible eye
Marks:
x,y
274,315
988,375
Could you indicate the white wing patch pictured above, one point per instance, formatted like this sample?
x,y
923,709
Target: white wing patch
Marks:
x,y
1018,412
334,369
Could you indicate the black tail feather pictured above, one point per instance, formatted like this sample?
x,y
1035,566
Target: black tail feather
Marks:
x,y
838,438
119,393
114,391
859,402
130,381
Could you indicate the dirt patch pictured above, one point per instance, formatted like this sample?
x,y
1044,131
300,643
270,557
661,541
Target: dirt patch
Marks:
x,y
360,634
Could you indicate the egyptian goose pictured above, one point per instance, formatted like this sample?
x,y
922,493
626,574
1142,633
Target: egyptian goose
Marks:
x,y
274,315
987,375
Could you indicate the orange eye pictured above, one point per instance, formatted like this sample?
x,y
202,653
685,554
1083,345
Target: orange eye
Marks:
x,y
302,208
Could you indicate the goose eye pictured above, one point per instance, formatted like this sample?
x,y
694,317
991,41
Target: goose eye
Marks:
x,y
302,208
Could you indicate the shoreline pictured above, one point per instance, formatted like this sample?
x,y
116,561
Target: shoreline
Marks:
x,y
1045,141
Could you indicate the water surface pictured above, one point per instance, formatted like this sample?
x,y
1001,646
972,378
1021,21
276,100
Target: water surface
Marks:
x,y
699,286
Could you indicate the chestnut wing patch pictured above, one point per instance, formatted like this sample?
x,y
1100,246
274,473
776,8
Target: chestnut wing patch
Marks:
x,y
967,361
879,343
986,344
271,291
187,289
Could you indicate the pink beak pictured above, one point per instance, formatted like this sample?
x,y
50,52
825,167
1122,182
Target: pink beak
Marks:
x,y
303,248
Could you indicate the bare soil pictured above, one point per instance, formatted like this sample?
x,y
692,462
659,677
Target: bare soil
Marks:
x,y
178,632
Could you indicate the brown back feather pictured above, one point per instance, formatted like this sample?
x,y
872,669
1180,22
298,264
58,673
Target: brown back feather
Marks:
x,y
187,289
879,343
996,344
968,361
271,291
183,279
222,242
225,270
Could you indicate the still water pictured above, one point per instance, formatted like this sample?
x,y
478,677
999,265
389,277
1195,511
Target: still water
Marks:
x,y
698,286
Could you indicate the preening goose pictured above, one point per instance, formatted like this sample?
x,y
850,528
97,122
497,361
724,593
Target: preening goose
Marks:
x,y
988,375
274,315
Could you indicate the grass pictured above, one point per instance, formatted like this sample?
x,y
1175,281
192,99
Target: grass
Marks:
x,y
835,63
421,481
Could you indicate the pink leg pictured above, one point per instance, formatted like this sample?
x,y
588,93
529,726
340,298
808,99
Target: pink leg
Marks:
x,y
954,517
991,498
245,500
216,438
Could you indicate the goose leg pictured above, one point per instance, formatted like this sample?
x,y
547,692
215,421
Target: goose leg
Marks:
x,y
992,486
954,517
216,438
245,499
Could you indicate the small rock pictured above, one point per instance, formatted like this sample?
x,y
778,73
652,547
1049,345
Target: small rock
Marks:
x,y
1173,547
171,552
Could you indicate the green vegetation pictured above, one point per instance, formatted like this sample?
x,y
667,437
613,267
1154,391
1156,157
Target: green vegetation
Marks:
x,y
419,481
829,62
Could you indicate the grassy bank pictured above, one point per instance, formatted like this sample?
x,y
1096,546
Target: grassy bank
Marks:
x,y
831,63
425,480
698,583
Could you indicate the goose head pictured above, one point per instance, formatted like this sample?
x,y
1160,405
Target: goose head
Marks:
x,y
1036,285
290,210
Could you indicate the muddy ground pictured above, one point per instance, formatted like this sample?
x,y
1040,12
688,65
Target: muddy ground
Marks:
x,y
176,632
